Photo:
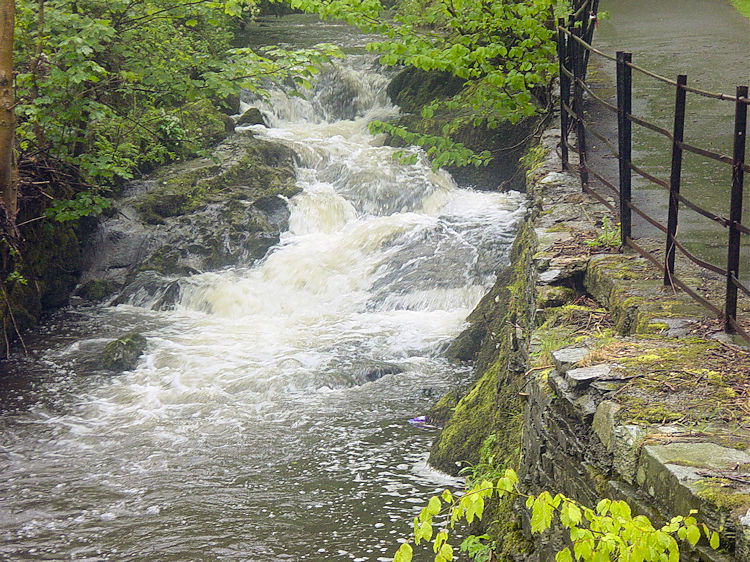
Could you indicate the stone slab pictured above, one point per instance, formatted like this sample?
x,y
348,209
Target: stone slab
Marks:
x,y
584,376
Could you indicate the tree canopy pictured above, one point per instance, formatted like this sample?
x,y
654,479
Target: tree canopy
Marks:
x,y
116,86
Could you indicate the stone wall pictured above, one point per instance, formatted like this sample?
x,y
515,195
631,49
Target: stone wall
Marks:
x,y
595,381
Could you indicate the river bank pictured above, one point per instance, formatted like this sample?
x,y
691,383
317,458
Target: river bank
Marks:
x,y
595,381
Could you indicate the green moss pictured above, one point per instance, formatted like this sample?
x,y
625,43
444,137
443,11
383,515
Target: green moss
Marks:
x,y
444,408
97,289
122,354
533,158
265,169
721,493
204,123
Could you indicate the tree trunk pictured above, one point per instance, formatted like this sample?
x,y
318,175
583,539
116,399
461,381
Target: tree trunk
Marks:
x,y
8,187
35,71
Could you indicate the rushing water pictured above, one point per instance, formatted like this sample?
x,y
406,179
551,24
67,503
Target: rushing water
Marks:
x,y
256,427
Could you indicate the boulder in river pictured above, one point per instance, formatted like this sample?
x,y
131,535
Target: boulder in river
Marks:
x,y
251,116
195,216
123,353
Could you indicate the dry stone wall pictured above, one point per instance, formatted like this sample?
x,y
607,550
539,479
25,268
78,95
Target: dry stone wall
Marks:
x,y
620,389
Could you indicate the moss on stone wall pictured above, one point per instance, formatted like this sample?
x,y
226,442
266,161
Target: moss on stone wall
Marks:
x,y
493,404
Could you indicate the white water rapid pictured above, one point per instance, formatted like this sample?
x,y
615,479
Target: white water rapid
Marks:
x,y
268,417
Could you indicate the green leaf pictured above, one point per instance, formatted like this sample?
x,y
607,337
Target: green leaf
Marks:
x,y
714,542
433,506
404,553
446,552
693,534
564,555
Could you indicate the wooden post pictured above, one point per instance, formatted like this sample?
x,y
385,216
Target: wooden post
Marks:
x,y
674,177
624,140
8,187
735,208
578,100
562,53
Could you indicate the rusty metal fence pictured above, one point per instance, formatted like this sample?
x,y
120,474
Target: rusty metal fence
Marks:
x,y
574,49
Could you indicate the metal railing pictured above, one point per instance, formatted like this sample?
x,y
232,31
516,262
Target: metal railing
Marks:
x,y
574,49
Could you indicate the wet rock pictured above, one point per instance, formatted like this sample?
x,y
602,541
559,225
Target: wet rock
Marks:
x,y
578,378
230,104
412,89
251,116
123,353
151,290
96,290
195,216
554,295
373,370
441,411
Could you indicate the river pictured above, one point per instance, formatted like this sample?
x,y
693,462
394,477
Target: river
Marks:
x,y
257,425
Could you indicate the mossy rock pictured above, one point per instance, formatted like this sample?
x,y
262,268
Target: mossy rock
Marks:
x,y
230,104
123,353
97,290
251,116
443,410
204,123
412,89
469,343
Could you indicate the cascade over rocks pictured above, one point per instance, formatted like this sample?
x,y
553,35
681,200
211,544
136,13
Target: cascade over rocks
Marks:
x,y
412,89
189,217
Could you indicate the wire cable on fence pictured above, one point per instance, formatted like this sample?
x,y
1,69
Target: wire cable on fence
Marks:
x,y
707,153
643,173
695,259
692,206
675,280
606,182
740,285
645,216
739,330
588,90
704,93
652,127
602,138
599,198
586,45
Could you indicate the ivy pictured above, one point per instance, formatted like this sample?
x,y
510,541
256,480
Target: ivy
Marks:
x,y
607,532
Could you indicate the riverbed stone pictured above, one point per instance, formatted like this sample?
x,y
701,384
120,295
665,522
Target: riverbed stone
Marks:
x,y
251,116
197,215
123,353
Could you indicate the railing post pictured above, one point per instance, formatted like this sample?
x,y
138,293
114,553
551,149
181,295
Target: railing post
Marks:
x,y
562,53
624,143
590,18
578,101
735,208
674,177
